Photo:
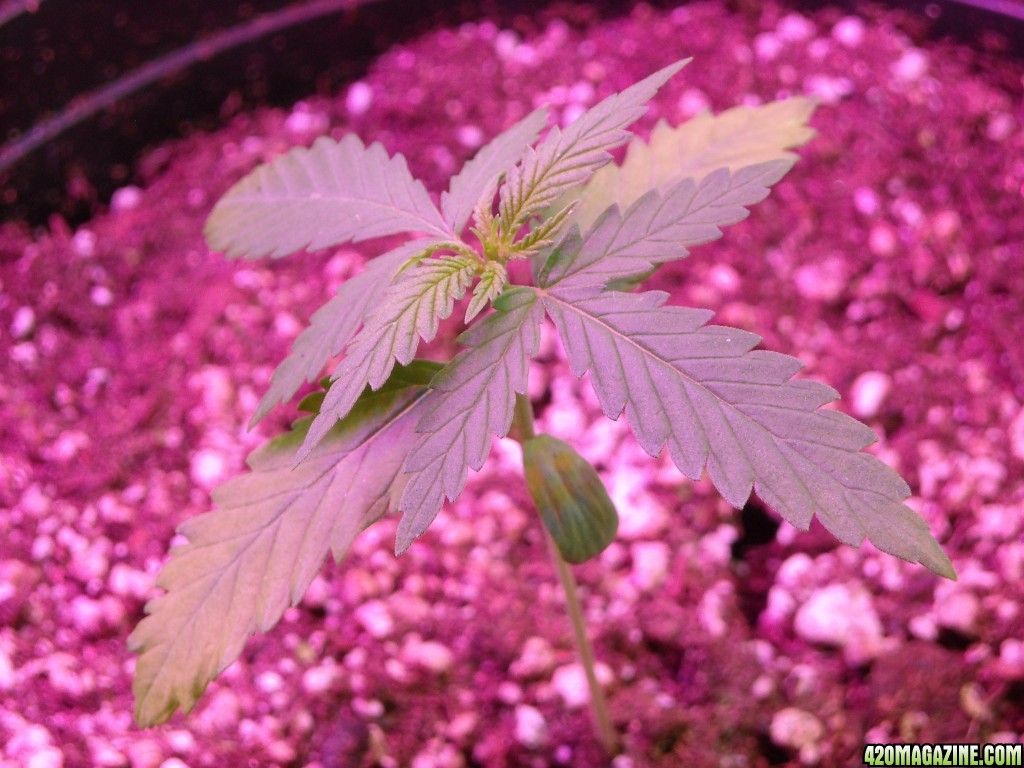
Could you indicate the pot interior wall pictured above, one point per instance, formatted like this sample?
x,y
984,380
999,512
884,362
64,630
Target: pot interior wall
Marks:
x,y
64,52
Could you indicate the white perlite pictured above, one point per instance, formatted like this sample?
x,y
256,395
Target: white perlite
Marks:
x,y
651,560
126,199
531,727
208,468
305,122
7,676
23,323
714,608
869,392
849,31
427,654
842,615
537,659
956,608
570,682
798,729
911,66
359,98
1017,435
375,618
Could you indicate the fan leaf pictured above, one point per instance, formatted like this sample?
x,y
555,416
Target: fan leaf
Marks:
x,y
701,390
255,555
334,325
329,194
494,159
472,398
409,310
658,227
564,159
737,138
542,235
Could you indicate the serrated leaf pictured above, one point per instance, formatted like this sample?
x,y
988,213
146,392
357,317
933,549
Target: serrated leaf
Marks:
x,y
542,235
311,403
564,159
492,282
737,138
329,194
659,227
483,212
334,325
253,556
472,398
409,311
701,390
494,159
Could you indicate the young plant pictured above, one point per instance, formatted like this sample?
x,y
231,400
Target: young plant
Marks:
x,y
393,433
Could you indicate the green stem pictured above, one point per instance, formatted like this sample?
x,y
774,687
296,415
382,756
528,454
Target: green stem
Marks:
x,y
522,419
523,425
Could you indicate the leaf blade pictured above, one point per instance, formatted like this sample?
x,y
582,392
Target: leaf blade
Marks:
x,y
567,158
409,311
333,326
734,139
659,228
492,282
257,552
329,194
494,159
472,398
714,401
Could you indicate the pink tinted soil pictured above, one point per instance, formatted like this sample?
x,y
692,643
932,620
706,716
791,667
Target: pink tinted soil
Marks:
x,y
890,261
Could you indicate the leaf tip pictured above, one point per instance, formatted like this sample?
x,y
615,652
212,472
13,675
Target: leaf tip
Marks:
x,y
403,541
313,436
266,406
146,717
936,561
679,65
663,75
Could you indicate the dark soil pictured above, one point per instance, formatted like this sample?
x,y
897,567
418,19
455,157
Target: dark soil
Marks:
x,y
891,260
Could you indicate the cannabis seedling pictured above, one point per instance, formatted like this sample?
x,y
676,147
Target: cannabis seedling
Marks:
x,y
395,433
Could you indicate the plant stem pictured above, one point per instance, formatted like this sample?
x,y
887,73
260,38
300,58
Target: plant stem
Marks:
x,y
523,424
522,418
598,703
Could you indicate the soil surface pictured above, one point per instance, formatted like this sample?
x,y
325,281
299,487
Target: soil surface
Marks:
x,y
890,260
